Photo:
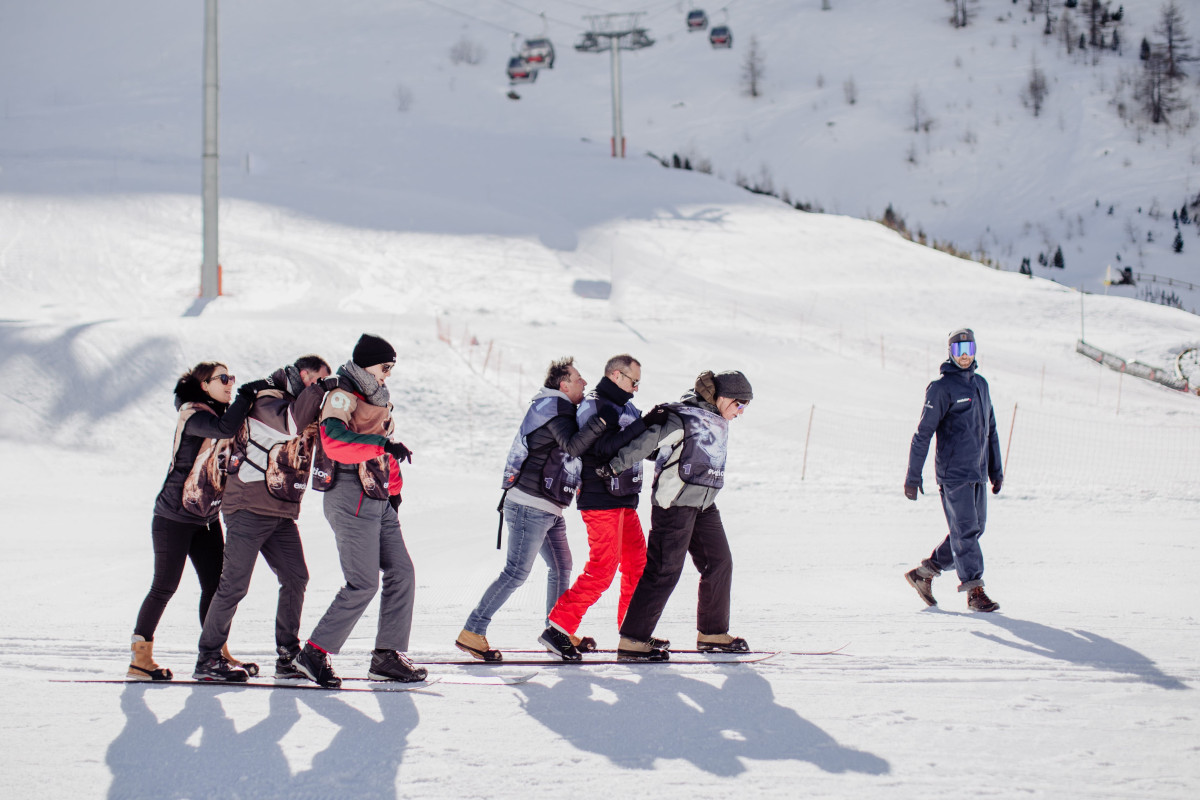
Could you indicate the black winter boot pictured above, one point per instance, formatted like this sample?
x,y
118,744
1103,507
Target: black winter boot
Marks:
x,y
218,669
559,643
314,665
392,665
285,665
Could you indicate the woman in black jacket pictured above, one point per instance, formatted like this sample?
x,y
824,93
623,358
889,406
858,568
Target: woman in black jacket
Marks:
x,y
186,523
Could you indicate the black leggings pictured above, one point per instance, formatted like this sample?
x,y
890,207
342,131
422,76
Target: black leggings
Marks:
x,y
174,543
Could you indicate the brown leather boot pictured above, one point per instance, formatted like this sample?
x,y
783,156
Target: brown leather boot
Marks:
x,y
477,646
977,600
142,666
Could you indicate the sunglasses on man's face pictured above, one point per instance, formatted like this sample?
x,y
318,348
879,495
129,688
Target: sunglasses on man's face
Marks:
x,y
224,379
634,383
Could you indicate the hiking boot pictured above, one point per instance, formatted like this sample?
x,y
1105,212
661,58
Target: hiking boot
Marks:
x,y
585,644
314,665
141,664
977,600
392,665
218,670
477,646
559,643
721,643
250,667
632,650
285,665
660,644
923,584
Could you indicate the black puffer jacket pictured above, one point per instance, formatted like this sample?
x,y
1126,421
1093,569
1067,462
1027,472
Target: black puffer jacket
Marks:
x,y
958,408
223,424
610,399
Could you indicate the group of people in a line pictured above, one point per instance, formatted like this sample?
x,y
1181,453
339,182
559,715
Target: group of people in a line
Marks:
x,y
251,454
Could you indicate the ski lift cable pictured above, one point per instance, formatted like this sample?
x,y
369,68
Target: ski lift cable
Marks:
x,y
575,25
472,16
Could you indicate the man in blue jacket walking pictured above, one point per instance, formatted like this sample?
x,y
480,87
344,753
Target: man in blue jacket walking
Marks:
x,y
958,408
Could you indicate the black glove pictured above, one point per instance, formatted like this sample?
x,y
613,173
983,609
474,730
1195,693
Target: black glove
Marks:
x,y
910,490
605,471
398,452
996,484
329,382
394,501
252,388
656,415
597,424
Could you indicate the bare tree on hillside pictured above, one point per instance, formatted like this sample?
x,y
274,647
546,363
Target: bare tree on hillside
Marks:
x,y
921,121
752,68
962,13
1175,45
1157,91
1066,28
465,51
1033,94
1094,12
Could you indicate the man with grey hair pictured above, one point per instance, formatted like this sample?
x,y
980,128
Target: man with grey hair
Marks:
x,y
608,506
541,476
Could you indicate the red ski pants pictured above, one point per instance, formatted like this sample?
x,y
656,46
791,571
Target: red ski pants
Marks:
x,y
615,539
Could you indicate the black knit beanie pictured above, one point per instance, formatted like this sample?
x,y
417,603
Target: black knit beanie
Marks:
x,y
733,385
372,350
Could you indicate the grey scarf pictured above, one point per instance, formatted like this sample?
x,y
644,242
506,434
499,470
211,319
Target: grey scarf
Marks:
x,y
372,390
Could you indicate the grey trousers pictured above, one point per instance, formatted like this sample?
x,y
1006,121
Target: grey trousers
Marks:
x,y
369,542
246,535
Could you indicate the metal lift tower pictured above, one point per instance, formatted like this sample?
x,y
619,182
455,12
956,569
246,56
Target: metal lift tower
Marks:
x,y
614,33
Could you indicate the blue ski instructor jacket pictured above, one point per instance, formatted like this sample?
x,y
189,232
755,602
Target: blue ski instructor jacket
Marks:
x,y
958,408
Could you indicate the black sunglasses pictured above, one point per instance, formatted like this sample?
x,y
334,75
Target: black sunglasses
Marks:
x,y
223,378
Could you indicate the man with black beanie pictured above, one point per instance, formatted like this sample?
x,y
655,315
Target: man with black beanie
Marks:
x,y
362,492
958,408
689,470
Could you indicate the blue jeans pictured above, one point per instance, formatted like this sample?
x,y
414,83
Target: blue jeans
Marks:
x,y
530,532
965,505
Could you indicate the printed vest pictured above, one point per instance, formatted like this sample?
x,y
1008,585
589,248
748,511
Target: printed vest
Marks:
x,y
701,459
204,486
283,460
628,482
560,473
364,418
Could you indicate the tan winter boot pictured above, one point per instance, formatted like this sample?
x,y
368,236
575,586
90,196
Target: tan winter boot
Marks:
x,y
250,667
720,643
633,650
477,646
142,666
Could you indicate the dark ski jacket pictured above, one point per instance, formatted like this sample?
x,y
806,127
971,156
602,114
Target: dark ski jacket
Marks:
x,y
224,423
958,408
610,400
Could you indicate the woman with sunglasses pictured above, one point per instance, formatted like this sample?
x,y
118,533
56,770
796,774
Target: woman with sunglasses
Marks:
x,y
186,523
689,471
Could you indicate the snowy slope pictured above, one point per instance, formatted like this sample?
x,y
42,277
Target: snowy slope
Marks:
x,y
461,221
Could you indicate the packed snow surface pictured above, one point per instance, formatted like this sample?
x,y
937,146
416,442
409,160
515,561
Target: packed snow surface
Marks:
x,y
481,249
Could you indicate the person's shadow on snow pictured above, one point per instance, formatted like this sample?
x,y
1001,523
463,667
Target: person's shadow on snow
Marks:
x,y
1078,647
199,752
666,715
363,760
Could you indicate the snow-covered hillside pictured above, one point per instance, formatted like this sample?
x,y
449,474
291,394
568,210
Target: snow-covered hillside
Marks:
x,y
107,99
481,236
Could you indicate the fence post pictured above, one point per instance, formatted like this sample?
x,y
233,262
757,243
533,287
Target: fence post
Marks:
x,y
487,358
1120,378
1008,447
804,465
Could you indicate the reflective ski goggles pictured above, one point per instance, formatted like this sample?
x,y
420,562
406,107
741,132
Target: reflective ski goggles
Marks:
x,y
958,349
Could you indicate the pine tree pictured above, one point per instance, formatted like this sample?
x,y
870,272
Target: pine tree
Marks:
x,y
1178,244
1144,53
1058,258
1176,45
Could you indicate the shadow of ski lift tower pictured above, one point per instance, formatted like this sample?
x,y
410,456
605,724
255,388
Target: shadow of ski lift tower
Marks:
x,y
614,33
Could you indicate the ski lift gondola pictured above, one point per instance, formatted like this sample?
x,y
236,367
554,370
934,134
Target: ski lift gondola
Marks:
x,y
520,71
697,20
720,36
538,53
